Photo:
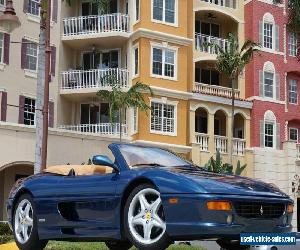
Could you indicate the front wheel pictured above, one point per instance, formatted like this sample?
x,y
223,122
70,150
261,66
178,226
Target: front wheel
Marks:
x,y
25,225
144,219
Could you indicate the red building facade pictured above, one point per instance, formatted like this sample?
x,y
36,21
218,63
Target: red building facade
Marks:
x,y
273,76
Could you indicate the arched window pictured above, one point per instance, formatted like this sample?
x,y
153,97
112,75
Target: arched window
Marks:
x,y
269,131
269,33
269,82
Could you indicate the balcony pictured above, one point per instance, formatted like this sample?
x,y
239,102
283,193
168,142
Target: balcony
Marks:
x,y
108,129
238,146
223,3
215,90
77,81
221,144
202,140
78,29
205,43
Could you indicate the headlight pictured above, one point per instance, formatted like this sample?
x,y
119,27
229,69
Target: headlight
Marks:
x,y
219,205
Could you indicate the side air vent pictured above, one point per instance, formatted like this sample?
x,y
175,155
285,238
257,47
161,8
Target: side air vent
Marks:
x,y
68,210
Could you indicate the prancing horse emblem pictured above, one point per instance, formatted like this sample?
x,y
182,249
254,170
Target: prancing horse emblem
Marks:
x,y
261,210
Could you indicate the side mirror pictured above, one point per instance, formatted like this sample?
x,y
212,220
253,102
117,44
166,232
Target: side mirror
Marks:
x,y
105,161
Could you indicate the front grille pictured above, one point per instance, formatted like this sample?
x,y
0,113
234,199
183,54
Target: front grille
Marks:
x,y
260,210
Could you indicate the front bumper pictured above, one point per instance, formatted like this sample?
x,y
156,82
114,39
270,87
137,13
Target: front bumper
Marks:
x,y
190,219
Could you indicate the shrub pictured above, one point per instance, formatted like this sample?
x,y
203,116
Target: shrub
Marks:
x,y
5,233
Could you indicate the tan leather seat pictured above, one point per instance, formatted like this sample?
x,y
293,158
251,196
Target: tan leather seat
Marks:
x,y
79,169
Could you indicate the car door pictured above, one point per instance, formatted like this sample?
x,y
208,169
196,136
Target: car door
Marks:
x,y
88,202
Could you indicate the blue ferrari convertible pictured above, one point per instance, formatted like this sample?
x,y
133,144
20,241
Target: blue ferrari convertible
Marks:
x,y
147,197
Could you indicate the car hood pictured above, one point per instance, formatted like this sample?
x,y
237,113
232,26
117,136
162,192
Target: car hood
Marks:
x,y
227,184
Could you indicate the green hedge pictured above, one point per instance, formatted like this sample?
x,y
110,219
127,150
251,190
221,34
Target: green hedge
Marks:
x,y
5,233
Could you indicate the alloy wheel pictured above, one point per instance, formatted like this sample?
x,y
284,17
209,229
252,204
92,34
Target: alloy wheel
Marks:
x,y
23,221
145,217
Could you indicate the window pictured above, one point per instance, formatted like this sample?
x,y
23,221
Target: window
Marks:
x,y
268,84
163,62
2,2
207,76
1,47
294,134
29,111
269,135
164,11
293,91
163,118
268,35
292,43
137,10
136,60
31,56
33,7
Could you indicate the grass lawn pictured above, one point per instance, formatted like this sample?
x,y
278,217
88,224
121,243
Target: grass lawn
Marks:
x,y
56,245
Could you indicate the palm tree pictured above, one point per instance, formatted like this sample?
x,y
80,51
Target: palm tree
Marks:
x,y
231,62
294,20
120,99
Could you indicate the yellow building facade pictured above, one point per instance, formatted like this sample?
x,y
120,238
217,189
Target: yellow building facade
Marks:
x,y
163,44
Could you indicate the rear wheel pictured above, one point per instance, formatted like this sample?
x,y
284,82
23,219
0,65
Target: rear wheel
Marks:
x,y
226,244
118,245
144,219
25,225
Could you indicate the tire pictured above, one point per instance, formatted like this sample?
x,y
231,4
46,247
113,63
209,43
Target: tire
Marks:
x,y
143,211
25,225
118,245
230,245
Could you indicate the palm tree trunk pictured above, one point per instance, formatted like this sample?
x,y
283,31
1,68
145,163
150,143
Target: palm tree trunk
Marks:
x,y
232,121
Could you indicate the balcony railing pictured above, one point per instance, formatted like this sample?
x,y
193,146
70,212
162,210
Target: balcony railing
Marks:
x,y
84,25
205,43
223,3
94,78
298,151
221,144
215,90
101,128
202,141
238,146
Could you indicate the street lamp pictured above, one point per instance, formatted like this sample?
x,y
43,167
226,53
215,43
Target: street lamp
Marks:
x,y
9,20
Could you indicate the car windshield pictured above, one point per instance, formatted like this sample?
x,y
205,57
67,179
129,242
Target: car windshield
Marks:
x,y
136,156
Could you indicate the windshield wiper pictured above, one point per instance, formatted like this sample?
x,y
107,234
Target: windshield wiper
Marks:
x,y
149,164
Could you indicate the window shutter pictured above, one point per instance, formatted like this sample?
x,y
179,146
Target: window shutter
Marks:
x,y
262,134
261,34
6,48
53,60
51,114
23,53
25,6
261,83
277,82
3,106
276,37
54,10
278,144
21,109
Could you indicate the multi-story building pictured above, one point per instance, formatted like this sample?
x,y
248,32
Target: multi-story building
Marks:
x,y
210,106
273,86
